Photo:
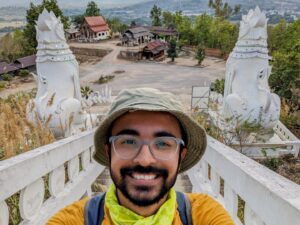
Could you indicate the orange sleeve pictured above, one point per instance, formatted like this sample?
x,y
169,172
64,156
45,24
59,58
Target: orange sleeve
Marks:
x,y
207,211
70,215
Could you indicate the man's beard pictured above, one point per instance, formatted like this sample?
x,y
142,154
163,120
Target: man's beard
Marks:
x,y
123,187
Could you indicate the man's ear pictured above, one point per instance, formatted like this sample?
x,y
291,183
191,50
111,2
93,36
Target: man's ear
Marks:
x,y
106,149
182,154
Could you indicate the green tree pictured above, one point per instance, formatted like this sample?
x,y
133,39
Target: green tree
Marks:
x,y
116,25
200,54
223,35
202,29
31,18
168,19
285,73
223,10
78,19
285,49
184,27
172,50
12,46
155,15
276,35
92,9
132,23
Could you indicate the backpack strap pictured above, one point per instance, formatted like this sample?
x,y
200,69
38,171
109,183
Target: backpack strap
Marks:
x,y
94,210
184,208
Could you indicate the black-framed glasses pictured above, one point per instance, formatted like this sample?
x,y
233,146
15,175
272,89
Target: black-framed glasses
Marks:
x,y
129,146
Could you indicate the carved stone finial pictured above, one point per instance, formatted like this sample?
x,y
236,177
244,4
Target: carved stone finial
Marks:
x,y
252,41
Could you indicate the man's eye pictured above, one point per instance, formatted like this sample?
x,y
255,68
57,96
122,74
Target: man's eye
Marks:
x,y
129,142
162,144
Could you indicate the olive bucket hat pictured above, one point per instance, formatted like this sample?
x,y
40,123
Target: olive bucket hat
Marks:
x,y
149,99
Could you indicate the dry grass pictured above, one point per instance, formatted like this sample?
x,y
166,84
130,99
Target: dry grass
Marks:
x,y
17,134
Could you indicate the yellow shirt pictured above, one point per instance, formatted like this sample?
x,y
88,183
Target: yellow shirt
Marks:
x,y
205,211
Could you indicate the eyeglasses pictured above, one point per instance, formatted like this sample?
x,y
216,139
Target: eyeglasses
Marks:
x,y
162,148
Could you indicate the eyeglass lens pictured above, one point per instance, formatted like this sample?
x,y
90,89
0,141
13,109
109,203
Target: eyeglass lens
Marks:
x,y
161,147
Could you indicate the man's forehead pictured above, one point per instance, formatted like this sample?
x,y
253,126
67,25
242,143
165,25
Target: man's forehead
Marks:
x,y
148,118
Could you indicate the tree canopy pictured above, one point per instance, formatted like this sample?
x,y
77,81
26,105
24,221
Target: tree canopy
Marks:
x,y
12,46
284,44
92,9
155,15
116,25
172,53
223,10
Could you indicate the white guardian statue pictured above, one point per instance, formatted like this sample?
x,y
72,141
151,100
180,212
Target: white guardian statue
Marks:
x,y
58,99
247,95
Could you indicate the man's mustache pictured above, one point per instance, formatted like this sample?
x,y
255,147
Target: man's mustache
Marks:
x,y
140,169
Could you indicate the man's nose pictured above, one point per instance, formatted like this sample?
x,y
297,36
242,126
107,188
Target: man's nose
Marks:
x,y
145,157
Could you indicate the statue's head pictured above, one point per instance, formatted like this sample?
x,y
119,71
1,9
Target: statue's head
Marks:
x,y
49,28
254,25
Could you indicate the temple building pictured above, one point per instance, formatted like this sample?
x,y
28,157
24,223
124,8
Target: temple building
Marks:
x,y
136,36
155,50
94,28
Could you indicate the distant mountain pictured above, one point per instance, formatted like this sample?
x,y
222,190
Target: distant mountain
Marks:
x,y
71,3
139,10
13,13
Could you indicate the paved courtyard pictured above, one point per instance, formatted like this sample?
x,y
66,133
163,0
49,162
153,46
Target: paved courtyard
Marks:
x,y
177,78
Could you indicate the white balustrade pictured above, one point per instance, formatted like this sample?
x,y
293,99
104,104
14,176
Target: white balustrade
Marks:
x,y
4,214
269,199
28,173
225,174
289,138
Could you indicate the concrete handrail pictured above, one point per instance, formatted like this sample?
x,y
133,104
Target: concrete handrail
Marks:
x,y
226,174
65,166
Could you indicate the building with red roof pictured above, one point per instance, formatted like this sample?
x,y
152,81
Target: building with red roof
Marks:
x,y
94,28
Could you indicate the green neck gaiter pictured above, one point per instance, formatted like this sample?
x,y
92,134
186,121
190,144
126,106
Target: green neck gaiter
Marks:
x,y
123,216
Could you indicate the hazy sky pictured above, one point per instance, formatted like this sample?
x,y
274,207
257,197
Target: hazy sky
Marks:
x,y
69,3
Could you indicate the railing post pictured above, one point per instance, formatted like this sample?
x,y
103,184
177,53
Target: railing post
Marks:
x,y
231,200
4,213
31,199
250,218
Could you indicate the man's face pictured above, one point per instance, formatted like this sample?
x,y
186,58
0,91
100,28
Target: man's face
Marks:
x,y
144,180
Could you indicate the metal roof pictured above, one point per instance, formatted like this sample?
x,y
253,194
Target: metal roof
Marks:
x,y
155,46
6,68
162,30
96,23
25,62
139,32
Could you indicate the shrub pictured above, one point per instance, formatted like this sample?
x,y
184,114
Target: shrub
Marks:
x,y
200,54
86,91
23,73
172,49
2,84
105,79
7,77
219,85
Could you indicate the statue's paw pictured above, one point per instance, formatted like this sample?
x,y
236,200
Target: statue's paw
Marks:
x,y
233,106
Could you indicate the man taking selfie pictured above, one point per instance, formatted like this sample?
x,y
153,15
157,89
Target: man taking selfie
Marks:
x,y
146,140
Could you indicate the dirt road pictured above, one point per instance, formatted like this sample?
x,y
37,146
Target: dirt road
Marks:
x,y
178,77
